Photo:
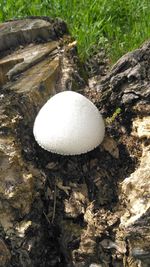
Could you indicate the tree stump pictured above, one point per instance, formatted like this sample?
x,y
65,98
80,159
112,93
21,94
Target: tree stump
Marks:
x,y
88,210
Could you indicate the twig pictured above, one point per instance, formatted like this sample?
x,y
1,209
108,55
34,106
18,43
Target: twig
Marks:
x,y
54,206
46,217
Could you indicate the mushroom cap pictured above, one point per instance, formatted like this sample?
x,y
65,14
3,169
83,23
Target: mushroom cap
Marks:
x,y
69,124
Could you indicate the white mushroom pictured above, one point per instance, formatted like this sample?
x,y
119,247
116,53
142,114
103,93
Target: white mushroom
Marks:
x,y
69,124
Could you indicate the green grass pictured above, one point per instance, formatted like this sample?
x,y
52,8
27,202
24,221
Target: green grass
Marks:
x,y
118,26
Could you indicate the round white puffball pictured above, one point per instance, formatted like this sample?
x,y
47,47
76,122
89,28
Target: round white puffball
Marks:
x,y
69,124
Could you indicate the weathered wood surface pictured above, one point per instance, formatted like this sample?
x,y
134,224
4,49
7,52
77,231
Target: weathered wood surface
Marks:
x,y
13,34
91,210
33,52
127,86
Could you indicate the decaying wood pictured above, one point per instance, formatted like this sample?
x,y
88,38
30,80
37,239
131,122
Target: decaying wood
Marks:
x,y
127,87
90,210
32,55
